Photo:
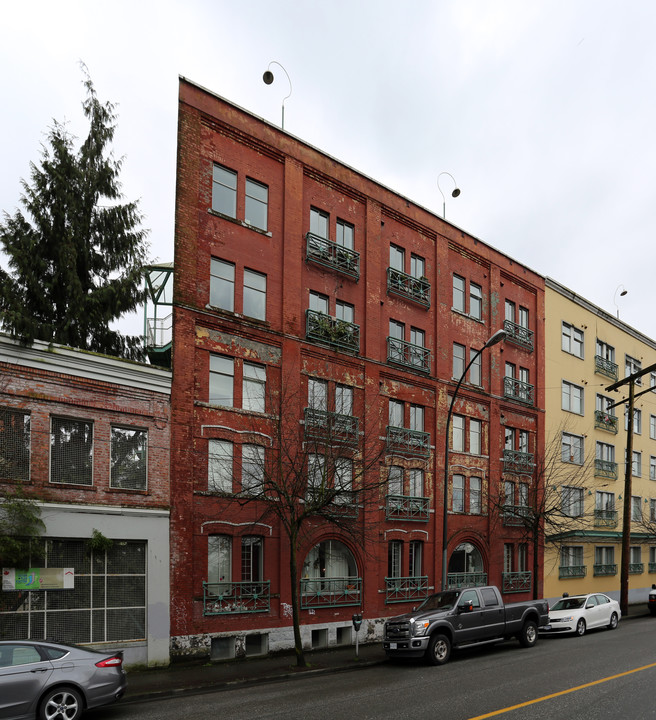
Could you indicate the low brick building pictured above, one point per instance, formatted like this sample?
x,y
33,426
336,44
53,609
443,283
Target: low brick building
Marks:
x,y
88,436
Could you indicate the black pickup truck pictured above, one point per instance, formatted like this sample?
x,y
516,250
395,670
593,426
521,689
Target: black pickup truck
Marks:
x,y
462,618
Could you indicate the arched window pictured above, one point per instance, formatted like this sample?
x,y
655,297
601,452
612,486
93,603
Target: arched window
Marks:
x,y
330,559
466,558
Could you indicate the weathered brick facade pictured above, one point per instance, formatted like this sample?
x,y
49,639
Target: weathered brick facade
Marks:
x,y
303,184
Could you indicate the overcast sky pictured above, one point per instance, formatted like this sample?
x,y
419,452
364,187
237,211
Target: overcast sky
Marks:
x,y
543,112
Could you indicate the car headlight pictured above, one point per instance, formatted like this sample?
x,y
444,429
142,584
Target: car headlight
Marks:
x,y
569,618
419,627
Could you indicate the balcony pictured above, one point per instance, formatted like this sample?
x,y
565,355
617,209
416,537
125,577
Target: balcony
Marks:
x,y
514,582
636,568
331,427
605,469
604,569
408,355
515,461
516,514
518,335
330,592
605,367
605,421
331,331
408,287
233,598
571,571
407,442
517,390
406,507
605,518
405,589
455,581
330,255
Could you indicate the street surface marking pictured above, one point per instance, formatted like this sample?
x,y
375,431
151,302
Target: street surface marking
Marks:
x,y
562,692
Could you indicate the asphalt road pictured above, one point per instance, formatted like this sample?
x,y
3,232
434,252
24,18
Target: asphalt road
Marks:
x,y
603,675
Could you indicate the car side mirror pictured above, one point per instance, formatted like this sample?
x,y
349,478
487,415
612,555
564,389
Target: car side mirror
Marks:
x,y
466,607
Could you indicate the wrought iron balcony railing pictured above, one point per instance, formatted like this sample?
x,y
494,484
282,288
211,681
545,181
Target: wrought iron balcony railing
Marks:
x,y
455,581
515,461
331,427
407,442
516,514
407,354
605,421
406,507
605,518
518,390
605,367
330,592
409,287
232,598
326,329
336,257
514,582
572,571
604,569
403,589
636,568
519,335
605,469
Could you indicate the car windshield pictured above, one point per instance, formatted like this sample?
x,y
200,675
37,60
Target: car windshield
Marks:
x,y
569,604
440,601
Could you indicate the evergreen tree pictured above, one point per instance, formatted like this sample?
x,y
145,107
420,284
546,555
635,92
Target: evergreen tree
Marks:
x,y
75,250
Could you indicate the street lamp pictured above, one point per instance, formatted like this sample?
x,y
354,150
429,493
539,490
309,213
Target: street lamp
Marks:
x,y
268,79
498,336
454,193
622,293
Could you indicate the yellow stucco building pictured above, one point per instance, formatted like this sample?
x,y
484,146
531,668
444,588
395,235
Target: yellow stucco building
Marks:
x,y
587,350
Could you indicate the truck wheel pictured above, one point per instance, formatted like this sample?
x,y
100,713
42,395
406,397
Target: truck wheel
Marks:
x,y
580,627
613,622
529,634
439,650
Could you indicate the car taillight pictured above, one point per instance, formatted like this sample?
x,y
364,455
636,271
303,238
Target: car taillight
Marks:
x,y
114,661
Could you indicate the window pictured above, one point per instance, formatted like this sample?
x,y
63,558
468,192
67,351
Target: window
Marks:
x,y
475,301
417,418
605,351
224,191
395,480
396,332
652,427
344,236
416,551
417,267
508,557
636,466
219,466
416,488
635,555
458,433
394,555
571,556
652,468
636,508
317,394
475,489
257,201
523,441
71,451
222,284
458,498
475,437
252,469
475,377
129,452
318,302
631,366
524,375
319,223
523,317
255,294
511,370
219,563
344,311
458,360
222,374
510,311
572,449
344,400
316,474
343,475
254,387
14,445
522,495
572,501
251,558
510,435
396,413
652,510
522,557
605,452
637,421
605,555
572,397
459,293
572,340
397,258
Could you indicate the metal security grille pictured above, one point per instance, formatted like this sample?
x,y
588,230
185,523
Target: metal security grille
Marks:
x,y
129,453
14,445
108,603
71,451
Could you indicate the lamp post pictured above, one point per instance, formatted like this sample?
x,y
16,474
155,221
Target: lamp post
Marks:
x,y
622,293
268,79
454,193
498,336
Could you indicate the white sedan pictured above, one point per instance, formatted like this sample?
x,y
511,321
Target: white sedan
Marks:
x,y
578,613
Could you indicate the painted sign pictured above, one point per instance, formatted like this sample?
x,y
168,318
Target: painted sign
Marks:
x,y
38,579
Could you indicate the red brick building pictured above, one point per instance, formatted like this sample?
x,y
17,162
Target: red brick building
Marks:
x,y
295,275
88,437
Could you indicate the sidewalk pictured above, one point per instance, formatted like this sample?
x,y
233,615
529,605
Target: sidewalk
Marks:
x,y
204,676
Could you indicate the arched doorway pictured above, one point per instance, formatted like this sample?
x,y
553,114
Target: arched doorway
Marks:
x,y
330,576
466,567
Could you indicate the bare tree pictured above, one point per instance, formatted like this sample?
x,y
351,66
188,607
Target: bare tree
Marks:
x,y
308,467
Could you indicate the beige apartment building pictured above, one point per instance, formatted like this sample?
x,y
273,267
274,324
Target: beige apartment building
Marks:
x,y
587,350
